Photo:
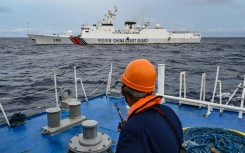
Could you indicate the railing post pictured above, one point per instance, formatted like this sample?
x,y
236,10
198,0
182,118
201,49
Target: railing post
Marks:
x,y
220,94
203,88
109,81
208,111
182,81
75,76
5,116
215,85
76,79
161,80
242,98
55,88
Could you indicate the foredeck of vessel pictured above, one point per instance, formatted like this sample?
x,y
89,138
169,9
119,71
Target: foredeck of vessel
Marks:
x,y
28,137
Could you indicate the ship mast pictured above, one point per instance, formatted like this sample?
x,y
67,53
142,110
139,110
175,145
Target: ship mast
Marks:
x,y
110,16
28,27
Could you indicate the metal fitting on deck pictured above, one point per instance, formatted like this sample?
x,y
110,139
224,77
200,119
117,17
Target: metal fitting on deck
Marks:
x,y
53,116
64,97
74,109
90,140
55,125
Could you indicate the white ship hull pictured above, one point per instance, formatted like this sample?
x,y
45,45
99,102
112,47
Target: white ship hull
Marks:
x,y
115,39
126,39
50,39
105,34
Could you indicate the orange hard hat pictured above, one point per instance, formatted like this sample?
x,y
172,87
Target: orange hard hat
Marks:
x,y
140,75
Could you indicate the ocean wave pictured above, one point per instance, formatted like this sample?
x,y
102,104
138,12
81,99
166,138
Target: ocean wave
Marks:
x,y
23,61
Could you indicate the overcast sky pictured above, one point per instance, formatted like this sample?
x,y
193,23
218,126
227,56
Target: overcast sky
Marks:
x,y
210,17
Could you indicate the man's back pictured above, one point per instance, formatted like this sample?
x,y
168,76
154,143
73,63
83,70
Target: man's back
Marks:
x,y
148,132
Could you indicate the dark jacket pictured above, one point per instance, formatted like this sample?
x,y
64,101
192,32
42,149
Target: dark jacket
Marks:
x,y
148,132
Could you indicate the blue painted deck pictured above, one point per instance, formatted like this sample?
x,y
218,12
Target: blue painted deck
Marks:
x,y
28,137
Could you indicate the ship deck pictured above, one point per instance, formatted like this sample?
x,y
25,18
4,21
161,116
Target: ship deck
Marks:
x,y
28,137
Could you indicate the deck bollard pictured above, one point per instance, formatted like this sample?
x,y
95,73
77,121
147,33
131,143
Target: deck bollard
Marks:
x,y
74,109
90,140
53,116
55,125
89,129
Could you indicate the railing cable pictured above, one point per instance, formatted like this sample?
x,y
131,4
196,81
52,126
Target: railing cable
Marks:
x,y
98,87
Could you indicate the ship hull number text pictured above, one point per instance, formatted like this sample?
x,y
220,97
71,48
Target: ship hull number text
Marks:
x,y
57,40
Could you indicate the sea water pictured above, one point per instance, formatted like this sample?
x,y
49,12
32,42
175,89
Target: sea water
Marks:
x,y
26,69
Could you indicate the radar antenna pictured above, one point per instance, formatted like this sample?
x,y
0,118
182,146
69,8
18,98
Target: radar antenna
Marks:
x,y
110,15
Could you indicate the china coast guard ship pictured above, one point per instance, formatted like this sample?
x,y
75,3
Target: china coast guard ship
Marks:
x,y
104,33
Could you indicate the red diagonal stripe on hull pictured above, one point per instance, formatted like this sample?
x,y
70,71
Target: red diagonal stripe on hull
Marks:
x,y
76,40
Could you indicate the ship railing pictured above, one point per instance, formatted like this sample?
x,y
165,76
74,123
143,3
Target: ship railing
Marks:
x,y
4,114
79,79
108,79
201,102
57,74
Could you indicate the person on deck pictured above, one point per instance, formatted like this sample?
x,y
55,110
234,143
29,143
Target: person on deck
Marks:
x,y
149,127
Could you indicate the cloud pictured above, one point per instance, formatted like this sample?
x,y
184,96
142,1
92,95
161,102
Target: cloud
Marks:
x,y
2,27
211,2
224,32
5,29
53,24
217,1
4,10
18,30
218,30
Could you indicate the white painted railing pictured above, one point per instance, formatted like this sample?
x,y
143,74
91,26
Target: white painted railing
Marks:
x,y
203,88
81,81
181,84
55,90
109,81
4,114
242,98
161,79
56,87
201,101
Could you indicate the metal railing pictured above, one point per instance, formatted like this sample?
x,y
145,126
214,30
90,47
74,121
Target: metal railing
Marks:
x,y
4,114
81,81
108,79
201,101
56,87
